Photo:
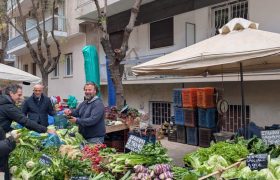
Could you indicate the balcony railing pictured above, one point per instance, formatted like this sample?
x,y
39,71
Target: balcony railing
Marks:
x,y
32,33
9,57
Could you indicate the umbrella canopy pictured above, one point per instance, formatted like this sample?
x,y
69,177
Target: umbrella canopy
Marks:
x,y
8,73
238,41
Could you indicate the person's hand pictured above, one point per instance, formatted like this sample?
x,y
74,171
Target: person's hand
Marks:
x,y
15,134
72,119
67,112
51,131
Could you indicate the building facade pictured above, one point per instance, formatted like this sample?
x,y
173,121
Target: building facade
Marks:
x,y
164,26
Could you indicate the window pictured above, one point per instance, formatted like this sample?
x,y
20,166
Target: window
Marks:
x,y
34,69
190,34
56,71
68,65
25,67
161,33
231,122
160,112
225,12
116,39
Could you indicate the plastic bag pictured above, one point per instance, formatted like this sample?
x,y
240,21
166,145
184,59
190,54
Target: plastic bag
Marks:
x,y
52,141
72,102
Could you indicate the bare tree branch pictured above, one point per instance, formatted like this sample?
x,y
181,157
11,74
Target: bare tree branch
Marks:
x,y
24,34
128,29
56,58
39,42
4,36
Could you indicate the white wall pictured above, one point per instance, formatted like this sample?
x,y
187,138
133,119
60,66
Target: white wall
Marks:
x,y
266,13
63,86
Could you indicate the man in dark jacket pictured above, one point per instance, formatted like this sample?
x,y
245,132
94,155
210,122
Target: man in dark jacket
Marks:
x,y
7,145
38,106
10,112
90,116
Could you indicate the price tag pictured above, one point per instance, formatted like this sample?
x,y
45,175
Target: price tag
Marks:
x,y
135,143
271,137
45,160
257,161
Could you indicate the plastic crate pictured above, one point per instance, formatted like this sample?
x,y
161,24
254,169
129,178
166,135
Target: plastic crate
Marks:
x,y
177,97
192,136
172,135
205,97
181,134
189,97
206,136
179,115
207,118
191,117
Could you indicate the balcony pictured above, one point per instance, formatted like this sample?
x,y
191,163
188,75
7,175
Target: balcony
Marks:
x,y
87,9
9,57
17,45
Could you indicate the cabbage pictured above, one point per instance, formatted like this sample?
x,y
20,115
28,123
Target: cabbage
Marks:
x,y
217,162
265,174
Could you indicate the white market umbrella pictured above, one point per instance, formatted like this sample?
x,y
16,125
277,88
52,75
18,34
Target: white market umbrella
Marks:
x,y
240,46
8,73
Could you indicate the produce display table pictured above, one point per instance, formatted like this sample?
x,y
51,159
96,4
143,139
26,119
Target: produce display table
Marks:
x,y
115,128
117,136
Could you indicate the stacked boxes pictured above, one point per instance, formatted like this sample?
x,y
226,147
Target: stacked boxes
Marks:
x,y
195,111
207,115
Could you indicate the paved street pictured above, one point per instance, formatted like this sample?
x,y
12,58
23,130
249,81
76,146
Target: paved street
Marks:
x,y
177,150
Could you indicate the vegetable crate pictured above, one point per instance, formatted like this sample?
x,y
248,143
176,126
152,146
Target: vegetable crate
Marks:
x,y
181,134
192,136
177,97
172,135
205,136
179,116
207,117
190,117
205,97
189,97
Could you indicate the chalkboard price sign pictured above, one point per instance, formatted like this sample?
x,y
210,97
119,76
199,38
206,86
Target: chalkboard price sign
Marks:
x,y
135,143
271,137
45,160
257,161
79,178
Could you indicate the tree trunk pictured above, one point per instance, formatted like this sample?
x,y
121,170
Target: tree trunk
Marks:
x,y
2,53
45,81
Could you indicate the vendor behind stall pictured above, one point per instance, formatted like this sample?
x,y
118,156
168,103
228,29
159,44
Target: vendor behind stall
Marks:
x,y
90,115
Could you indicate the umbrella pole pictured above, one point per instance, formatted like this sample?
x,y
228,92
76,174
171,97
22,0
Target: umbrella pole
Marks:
x,y
243,121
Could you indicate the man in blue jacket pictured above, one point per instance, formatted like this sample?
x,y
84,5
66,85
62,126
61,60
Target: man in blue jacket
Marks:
x,y
38,106
89,115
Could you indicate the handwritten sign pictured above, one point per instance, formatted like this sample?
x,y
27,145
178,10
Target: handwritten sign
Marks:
x,y
79,178
257,161
45,160
271,137
135,143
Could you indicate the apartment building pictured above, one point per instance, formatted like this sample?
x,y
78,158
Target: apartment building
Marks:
x,y
162,26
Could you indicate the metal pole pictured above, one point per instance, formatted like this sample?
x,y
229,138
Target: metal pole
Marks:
x,y
243,120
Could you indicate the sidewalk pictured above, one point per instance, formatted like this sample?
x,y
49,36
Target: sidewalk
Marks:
x,y
177,150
